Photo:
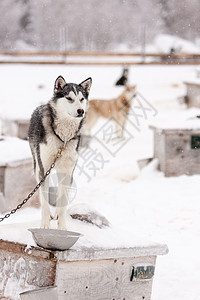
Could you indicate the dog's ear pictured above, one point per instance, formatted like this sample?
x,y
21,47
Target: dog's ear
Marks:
x,y
59,84
86,84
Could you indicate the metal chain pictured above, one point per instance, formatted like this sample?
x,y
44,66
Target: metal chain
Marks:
x,y
58,155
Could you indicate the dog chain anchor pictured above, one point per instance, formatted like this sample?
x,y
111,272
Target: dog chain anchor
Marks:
x,y
57,156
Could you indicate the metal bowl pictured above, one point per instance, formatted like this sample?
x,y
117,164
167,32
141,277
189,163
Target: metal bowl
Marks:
x,y
54,239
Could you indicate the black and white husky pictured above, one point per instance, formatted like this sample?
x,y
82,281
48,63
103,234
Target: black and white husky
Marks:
x,y
52,124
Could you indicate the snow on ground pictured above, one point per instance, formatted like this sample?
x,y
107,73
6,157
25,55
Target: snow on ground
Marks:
x,y
141,206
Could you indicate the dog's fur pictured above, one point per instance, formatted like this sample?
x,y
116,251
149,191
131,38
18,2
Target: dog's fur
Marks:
x,y
60,120
116,109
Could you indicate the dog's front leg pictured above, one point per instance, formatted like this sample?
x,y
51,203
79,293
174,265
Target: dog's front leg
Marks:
x,y
119,126
64,183
44,199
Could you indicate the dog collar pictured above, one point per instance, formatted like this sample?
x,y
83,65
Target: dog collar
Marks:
x,y
74,137
57,135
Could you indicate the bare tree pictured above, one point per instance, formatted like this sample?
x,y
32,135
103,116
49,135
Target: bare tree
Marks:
x,y
9,23
94,25
181,18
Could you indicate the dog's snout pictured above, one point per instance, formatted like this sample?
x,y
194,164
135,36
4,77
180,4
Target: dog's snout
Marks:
x,y
80,111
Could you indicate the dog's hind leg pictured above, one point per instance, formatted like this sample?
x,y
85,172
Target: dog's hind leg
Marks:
x,y
44,197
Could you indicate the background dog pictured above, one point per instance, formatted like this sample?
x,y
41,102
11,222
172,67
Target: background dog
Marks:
x,y
123,80
116,109
59,121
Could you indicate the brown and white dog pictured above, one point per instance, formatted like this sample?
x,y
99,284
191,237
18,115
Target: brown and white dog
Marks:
x,y
116,109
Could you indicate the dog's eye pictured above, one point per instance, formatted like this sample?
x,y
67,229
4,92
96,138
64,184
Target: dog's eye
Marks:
x,y
81,100
68,98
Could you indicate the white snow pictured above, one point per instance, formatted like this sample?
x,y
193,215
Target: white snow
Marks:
x,y
141,206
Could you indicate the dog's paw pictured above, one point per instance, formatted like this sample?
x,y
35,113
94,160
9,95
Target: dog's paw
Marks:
x,y
45,226
62,222
60,216
45,223
62,226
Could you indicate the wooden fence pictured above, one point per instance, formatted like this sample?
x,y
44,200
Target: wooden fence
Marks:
x,y
98,58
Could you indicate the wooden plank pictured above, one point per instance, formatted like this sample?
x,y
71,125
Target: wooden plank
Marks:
x,y
103,279
101,253
122,63
84,53
30,251
2,176
21,272
24,268
181,132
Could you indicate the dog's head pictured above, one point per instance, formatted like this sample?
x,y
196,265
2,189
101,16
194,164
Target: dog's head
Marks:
x,y
129,93
126,98
72,98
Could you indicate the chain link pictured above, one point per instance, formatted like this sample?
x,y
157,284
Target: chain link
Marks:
x,y
57,156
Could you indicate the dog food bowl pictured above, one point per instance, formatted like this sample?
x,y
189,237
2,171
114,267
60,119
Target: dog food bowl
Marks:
x,y
49,292
54,239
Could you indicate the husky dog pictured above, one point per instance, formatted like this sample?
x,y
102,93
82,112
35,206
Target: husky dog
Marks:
x,y
124,78
116,109
57,122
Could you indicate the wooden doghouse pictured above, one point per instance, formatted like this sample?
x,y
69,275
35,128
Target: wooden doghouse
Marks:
x,y
16,182
178,150
16,128
192,98
84,274
16,176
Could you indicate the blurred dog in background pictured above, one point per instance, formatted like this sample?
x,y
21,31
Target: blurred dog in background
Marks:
x,y
123,80
116,109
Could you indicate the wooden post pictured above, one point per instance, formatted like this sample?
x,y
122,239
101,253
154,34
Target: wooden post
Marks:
x,y
143,43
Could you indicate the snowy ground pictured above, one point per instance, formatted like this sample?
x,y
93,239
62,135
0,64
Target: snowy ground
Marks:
x,y
140,205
